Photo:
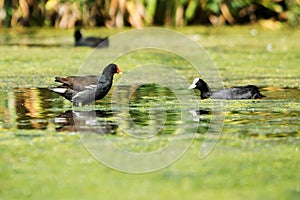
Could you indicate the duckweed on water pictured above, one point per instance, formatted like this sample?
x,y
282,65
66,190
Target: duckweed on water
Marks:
x,y
255,158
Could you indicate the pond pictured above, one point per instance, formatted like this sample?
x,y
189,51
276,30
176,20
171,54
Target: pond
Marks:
x,y
38,108
47,145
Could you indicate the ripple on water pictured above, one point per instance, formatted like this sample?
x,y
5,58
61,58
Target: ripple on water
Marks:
x,y
278,115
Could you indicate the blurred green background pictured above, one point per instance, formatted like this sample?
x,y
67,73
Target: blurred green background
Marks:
x,y
139,13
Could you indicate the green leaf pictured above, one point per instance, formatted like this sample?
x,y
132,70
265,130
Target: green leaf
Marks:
x,y
191,9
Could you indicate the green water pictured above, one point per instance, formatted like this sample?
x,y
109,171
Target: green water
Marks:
x,y
39,108
256,156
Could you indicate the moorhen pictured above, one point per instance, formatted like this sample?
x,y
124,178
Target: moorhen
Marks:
x,y
89,41
238,92
81,90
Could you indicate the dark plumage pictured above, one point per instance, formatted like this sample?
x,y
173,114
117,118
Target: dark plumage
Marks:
x,y
77,83
239,92
82,90
90,41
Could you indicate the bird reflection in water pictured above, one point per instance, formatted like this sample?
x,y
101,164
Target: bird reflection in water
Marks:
x,y
203,117
39,108
94,121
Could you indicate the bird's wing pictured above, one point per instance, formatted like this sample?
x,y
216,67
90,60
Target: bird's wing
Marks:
x,y
87,93
103,84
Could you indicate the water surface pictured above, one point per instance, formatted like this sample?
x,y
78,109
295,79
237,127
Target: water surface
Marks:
x,y
38,108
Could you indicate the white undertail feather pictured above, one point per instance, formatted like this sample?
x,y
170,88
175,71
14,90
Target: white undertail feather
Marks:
x,y
59,90
194,83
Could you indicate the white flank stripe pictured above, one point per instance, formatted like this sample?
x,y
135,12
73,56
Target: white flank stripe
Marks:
x,y
90,87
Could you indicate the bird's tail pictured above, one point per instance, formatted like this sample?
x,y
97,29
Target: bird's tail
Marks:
x,y
59,90
259,96
262,96
60,79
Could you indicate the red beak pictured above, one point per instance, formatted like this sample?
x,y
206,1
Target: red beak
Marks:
x,y
119,71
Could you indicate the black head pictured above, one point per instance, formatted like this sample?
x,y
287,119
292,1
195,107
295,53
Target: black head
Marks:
x,y
77,35
112,68
202,86
199,84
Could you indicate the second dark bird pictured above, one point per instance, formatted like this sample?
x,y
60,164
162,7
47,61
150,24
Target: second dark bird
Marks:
x,y
238,92
89,41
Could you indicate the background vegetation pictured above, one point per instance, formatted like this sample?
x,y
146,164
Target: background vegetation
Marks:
x,y
257,156
139,13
